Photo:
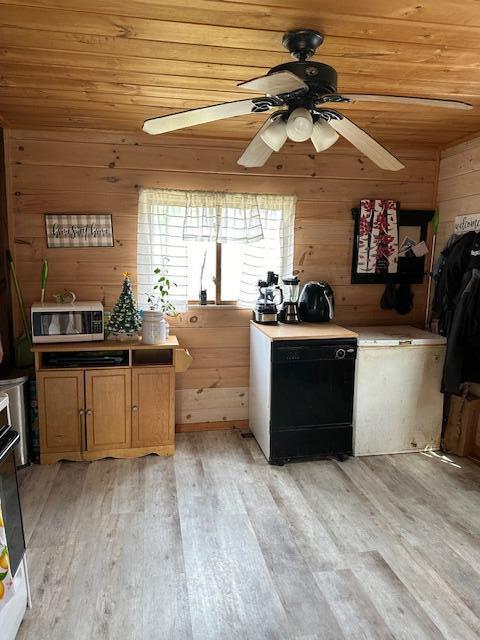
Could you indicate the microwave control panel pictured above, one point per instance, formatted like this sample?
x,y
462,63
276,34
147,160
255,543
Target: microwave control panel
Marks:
x,y
97,322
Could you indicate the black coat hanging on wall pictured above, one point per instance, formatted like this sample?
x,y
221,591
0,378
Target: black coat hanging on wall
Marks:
x,y
456,309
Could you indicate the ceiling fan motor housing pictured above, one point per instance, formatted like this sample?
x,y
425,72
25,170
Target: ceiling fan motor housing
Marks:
x,y
321,78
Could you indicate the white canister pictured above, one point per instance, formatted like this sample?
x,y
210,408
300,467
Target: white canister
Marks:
x,y
155,328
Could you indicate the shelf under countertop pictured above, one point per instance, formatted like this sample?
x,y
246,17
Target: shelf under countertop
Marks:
x,y
304,331
104,345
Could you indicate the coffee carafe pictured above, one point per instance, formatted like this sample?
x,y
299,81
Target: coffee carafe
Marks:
x,y
289,311
265,310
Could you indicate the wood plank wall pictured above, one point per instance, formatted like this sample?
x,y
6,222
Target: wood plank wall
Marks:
x,y
93,171
6,328
458,185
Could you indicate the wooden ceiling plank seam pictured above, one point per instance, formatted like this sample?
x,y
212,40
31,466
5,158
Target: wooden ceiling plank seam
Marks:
x,y
88,40
293,14
471,139
115,138
53,123
381,135
100,99
95,62
35,18
454,8
336,13
11,79
54,120
364,48
112,62
373,117
245,37
350,65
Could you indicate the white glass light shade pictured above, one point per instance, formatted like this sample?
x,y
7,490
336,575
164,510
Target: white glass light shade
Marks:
x,y
275,135
323,135
299,125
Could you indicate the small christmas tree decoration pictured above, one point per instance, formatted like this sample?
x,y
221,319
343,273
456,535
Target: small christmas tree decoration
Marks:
x,y
124,320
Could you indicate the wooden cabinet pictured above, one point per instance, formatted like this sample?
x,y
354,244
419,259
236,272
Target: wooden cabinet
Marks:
x,y
93,412
61,402
108,409
153,408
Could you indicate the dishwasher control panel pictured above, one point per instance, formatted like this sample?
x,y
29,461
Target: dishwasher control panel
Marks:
x,y
293,351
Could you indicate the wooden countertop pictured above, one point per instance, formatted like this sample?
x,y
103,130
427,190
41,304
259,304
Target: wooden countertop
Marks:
x,y
303,331
103,345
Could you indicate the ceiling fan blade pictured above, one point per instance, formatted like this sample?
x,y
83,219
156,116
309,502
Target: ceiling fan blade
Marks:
x,y
258,151
192,117
426,102
274,84
365,143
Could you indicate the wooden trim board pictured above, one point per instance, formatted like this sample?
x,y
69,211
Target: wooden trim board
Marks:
x,y
212,426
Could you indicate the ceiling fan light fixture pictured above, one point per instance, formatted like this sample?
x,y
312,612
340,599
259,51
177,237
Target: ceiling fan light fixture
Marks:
x,y
299,125
323,135
275,135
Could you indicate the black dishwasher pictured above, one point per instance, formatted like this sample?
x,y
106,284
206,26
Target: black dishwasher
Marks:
x,y
311,399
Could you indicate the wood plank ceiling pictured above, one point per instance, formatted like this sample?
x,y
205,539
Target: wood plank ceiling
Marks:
x,y
110,64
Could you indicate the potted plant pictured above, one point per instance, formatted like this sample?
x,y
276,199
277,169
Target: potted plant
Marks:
x,y
155,328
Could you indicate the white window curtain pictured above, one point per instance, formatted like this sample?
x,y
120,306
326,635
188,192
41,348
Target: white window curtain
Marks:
x,y
168,219
222,217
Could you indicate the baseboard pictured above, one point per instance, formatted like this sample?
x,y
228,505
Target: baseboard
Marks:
x,y
222,425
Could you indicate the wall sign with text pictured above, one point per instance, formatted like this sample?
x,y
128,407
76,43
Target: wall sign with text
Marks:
x,y
464,224
79,230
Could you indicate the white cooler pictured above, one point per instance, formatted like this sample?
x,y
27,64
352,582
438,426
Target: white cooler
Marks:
x,y
398,406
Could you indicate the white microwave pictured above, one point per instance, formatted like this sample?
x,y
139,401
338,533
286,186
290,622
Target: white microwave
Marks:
x,y
74,322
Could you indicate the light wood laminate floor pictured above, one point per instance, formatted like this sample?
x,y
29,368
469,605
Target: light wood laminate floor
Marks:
x,y
215,544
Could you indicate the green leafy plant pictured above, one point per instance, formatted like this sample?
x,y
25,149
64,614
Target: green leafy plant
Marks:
x,y
160,298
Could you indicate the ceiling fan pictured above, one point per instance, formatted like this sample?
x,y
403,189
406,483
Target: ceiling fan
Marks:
x,y
299,94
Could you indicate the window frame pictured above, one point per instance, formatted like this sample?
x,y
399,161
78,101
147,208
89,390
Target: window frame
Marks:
x,y
218,283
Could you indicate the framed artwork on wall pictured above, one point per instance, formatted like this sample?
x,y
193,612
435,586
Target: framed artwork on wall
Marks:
x,y
389,256
76,230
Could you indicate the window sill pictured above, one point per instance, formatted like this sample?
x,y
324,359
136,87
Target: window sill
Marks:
x,y
213,305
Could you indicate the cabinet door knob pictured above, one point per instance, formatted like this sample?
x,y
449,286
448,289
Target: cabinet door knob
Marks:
x,y
134,407
89,412
82,412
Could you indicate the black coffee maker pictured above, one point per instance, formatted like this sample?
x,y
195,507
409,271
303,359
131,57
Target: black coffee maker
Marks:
x,y
289,311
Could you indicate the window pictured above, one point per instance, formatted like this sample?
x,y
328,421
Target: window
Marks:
x,y
215,267
236,238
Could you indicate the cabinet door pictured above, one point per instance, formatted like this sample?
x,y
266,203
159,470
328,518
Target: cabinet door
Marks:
x,y
60,401
108,409
153,406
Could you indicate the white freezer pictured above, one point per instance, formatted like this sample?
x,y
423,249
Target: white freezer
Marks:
x,y
398,406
